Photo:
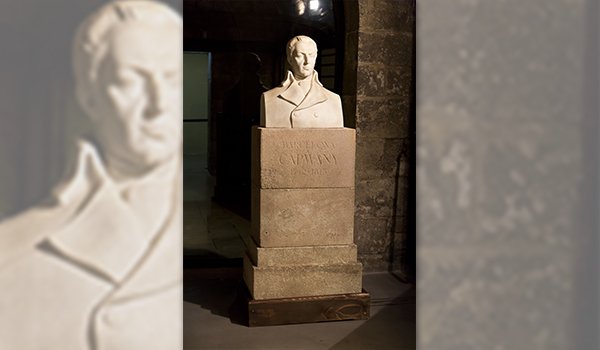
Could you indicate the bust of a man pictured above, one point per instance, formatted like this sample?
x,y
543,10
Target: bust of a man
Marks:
x,y
301,101
86,269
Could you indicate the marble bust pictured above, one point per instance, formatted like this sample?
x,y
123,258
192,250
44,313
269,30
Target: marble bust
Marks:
x,y
98,265
301,101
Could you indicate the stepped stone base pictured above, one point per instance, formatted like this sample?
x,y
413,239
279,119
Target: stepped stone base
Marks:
x,y
274,282
302,221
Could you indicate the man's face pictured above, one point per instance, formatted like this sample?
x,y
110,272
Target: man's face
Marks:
x,y
303,59
137,109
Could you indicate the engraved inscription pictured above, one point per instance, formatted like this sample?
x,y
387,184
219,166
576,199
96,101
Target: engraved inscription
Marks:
x,y
307,145
308,157
304,159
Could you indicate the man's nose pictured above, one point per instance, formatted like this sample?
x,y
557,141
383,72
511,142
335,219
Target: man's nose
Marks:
x,y
156,97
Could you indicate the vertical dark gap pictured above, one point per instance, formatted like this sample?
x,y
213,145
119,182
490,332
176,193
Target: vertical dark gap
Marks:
x,y
347,58
411,229
401,255
340,50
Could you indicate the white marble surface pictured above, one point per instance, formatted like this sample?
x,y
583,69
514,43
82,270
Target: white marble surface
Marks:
x,y
301,101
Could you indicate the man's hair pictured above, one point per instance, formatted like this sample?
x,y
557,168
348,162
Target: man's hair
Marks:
x,y
91,45
291,45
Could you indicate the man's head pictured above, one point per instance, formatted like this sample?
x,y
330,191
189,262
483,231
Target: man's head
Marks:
x,y
302,55
128,71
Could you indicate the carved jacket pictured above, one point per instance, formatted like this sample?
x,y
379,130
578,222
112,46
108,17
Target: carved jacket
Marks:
x,y
289,106
88,271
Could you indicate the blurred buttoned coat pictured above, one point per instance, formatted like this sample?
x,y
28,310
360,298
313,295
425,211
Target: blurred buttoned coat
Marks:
x,y
85,272
289,106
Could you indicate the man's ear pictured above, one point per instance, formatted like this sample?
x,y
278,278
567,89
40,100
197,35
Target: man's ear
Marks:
x,y
85,99
290,65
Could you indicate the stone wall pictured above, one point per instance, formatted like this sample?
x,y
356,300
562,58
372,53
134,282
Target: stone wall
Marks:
x,y
506,144
384,37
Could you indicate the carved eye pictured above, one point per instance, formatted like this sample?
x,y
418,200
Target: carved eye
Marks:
x,y
126,79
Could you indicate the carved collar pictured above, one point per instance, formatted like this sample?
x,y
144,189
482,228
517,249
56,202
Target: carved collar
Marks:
x,y
297,96
102,235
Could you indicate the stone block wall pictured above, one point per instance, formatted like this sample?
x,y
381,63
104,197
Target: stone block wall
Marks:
x,y
383,35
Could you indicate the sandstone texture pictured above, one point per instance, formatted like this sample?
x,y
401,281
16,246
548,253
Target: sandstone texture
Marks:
x,y
303,158
301,217
274,282
302,220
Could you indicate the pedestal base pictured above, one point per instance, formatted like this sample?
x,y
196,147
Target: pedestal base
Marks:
x,y
339,307
293,281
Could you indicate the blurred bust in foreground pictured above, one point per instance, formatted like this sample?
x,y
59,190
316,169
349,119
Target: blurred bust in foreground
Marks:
x,y
98,265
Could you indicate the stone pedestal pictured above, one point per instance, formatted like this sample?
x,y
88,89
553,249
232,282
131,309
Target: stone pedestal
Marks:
x,y
301,242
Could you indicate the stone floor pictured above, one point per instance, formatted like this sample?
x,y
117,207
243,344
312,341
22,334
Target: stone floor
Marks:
x,y
208,228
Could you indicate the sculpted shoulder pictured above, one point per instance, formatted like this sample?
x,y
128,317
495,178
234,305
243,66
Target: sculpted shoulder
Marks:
x,y
21,233
330,94
273,93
